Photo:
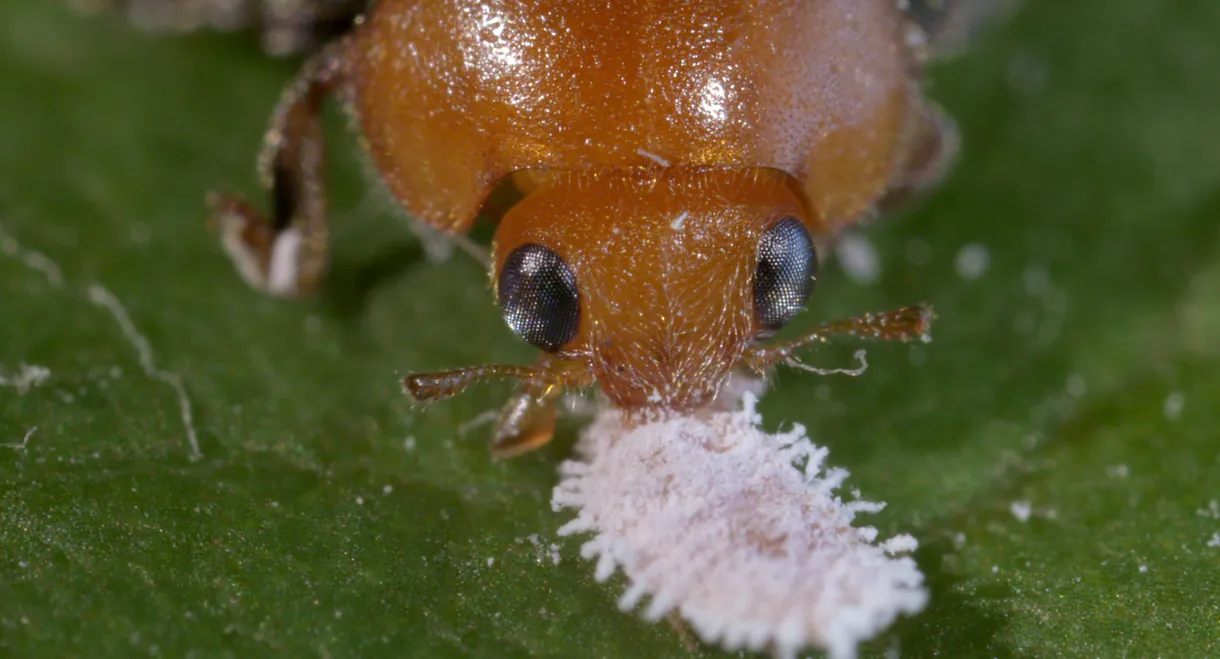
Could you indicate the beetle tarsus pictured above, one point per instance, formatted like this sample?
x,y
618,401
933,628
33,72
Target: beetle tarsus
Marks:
x,y
286,253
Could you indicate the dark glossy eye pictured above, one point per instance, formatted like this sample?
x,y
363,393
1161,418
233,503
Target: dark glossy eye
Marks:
x,y
538,295
787,268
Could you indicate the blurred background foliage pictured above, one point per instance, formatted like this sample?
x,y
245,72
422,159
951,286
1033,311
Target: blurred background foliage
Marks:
x,y
1055,449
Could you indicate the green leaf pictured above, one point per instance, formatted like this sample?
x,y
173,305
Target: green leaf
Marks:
x,y
1054,450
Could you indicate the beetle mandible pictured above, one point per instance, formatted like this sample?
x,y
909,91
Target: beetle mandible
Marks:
x,y
676,161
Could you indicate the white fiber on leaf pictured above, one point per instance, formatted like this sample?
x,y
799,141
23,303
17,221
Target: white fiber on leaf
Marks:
x,y
737,530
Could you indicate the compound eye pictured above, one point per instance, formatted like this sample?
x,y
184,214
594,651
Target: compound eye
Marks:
x,y
537,293
787,268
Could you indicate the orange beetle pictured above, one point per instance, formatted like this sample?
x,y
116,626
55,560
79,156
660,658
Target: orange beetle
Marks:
x,y
676,160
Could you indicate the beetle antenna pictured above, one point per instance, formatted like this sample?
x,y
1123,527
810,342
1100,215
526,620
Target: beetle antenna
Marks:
x,y
428,387
547,375
905,324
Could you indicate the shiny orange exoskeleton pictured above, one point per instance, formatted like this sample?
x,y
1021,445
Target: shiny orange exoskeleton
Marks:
x,y
676,161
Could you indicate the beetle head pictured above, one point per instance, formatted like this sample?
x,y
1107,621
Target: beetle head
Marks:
x,y
655,281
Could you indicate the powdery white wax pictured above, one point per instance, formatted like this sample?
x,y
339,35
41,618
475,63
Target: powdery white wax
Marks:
x,y
736,529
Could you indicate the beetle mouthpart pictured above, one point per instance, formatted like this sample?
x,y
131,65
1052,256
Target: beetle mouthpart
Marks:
x,y
861,358
527,422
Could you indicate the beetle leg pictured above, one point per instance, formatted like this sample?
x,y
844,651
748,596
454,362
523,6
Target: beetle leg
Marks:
x,y
931,148
176,15
295,26
286,254
287,27
950,25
